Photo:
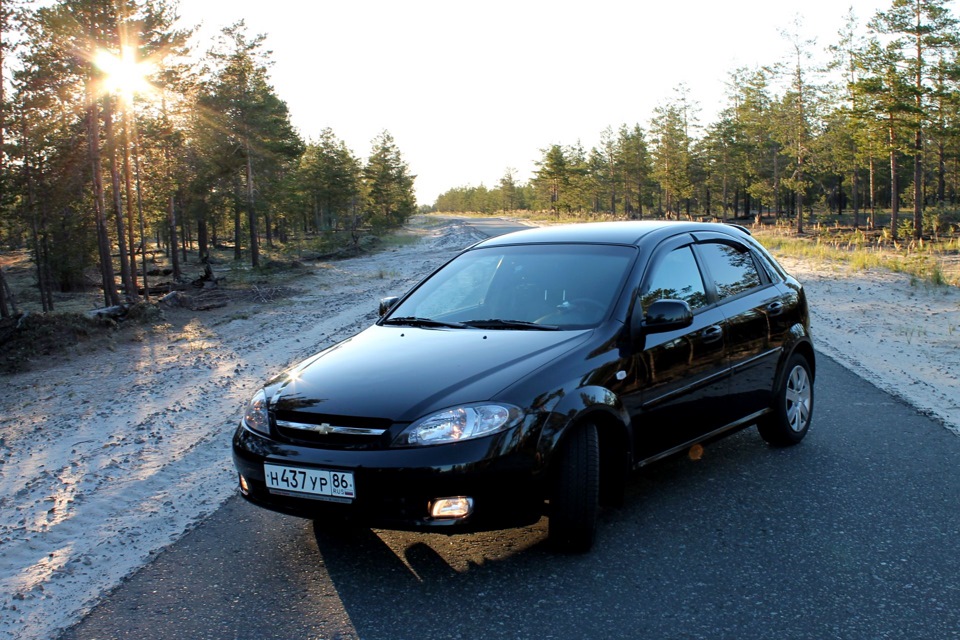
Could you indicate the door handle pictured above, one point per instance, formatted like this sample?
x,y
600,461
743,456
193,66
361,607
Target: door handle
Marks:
x,y
775,308
712,334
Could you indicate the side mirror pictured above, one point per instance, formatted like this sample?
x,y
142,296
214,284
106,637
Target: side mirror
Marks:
x,y
386,304
667,315
661,316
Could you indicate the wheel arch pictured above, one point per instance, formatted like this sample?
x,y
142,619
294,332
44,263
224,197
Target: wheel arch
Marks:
x,y
602,408
805,349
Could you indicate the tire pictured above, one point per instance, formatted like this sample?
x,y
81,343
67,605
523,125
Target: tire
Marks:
x,y
575,494
789,421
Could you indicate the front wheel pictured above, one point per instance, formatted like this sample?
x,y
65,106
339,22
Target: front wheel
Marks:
x,y
575,495
789,421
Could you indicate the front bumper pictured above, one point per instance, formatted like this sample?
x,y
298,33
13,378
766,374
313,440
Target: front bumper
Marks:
x,y
394,487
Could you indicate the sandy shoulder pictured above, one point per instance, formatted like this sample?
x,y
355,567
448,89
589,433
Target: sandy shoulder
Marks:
x,y
109,457
900,334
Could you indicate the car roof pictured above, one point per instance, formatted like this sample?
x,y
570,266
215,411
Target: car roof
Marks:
x,y
625,232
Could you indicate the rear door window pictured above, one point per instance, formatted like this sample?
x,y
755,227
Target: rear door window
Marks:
x,y
732,268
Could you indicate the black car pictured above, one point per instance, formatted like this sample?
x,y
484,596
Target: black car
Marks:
x,y
529,375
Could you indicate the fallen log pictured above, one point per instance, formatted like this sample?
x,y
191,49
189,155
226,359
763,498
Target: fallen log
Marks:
x,y
200,302
172,299
163,287
115,312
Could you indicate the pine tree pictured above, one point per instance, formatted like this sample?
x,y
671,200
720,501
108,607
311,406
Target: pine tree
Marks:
x,y
258,139
388,184
920,29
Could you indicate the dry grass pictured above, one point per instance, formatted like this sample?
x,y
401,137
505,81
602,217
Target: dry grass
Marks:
x,y
934,261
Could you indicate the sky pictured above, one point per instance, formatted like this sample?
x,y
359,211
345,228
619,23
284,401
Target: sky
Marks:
x,y
469,89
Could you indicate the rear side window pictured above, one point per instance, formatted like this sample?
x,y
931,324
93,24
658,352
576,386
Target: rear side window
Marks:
x,y
677,277
732,268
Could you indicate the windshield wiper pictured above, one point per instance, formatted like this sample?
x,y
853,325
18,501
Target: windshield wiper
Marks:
x,y
413,321
497,323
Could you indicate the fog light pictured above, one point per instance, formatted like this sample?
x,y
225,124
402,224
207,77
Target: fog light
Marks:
x,y
244,487
459,507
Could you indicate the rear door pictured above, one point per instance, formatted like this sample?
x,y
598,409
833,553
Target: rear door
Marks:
x,y
757,321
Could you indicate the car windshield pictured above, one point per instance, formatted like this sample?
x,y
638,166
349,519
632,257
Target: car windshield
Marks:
x,y
520,287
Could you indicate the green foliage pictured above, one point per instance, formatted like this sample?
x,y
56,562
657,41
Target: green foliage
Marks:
x,y
210,157
388,186
328,182
792,141
672,155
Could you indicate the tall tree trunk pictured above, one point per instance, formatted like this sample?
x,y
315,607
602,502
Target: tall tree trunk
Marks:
x,y
8,303
203,242
799,198
185,240
639,197
4,312
918,184
726,195
941,172
855,193
918,138
776,184
237,208
252,215
110,296
130,291
39,255
143,234
172,224
873,194
894,186
799,176
4,309
47,292
128,189
268,226
38,258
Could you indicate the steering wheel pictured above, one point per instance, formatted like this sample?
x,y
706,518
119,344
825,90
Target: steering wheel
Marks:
x,y
588,302
578,306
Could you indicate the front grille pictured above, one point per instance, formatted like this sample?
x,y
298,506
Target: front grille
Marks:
x,y
332,431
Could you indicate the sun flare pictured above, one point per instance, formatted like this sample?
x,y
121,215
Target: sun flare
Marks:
x,y
123,74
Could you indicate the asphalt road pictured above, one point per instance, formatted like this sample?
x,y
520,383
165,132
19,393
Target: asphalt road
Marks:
x,y
493,226
852,534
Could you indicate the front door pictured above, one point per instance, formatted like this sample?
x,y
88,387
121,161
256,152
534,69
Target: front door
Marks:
x,y
683,374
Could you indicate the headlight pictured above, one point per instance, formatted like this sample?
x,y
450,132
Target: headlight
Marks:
x,y
255,417
459,423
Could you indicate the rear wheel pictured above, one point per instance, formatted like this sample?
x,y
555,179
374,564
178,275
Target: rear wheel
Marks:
x,y
574,499
789,421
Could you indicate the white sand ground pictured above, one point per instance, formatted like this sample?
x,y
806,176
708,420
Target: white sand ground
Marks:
x,y
109,457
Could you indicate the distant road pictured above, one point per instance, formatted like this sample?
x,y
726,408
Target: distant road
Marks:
x,y
493,226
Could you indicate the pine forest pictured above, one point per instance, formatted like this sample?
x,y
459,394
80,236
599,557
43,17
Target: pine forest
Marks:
x,y
120,143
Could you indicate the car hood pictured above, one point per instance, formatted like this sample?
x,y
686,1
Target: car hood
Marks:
x,y
401,373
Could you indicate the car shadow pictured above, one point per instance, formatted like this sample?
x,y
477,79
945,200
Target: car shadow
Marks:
x,y
473,580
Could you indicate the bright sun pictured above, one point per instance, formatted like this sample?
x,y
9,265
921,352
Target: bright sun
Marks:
x,y
124,75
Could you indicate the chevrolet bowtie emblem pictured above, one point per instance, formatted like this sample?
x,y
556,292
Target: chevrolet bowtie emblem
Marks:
x,y
322,429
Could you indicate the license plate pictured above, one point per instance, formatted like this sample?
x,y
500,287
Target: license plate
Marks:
x,y
319,484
